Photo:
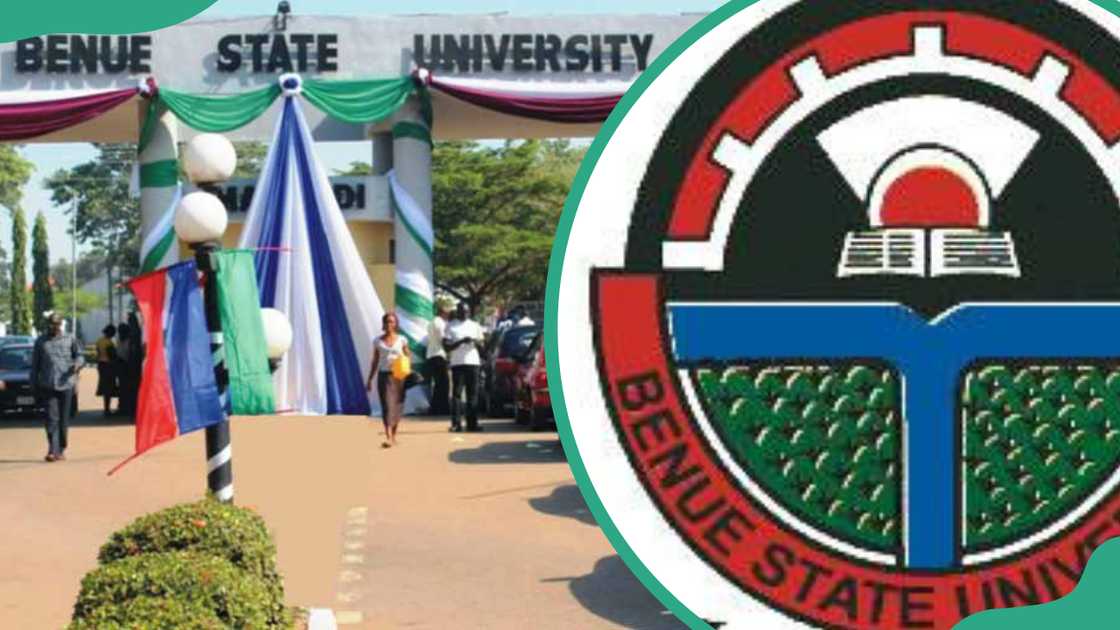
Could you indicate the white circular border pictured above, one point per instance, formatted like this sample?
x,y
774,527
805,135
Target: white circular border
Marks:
x,y
597,239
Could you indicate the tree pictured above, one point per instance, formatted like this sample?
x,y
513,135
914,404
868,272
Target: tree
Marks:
x,y
91,265
18,296
495,211
15,171
43,293
108,215
250,159
359,169
87,302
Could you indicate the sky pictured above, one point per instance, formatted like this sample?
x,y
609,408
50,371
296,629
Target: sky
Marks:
x,y
49,158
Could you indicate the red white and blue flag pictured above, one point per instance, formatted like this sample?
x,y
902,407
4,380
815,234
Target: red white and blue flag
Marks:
x,y
178,391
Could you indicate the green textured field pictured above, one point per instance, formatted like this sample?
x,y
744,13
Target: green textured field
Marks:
x,y
825,441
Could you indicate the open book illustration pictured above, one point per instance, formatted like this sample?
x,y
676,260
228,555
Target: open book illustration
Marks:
x,y
928,253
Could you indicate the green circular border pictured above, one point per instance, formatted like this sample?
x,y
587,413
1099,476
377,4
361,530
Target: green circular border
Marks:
x,y
552,310
552,296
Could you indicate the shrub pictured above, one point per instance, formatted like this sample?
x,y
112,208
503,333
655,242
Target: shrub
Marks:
x,y
208,527
150,613
235,597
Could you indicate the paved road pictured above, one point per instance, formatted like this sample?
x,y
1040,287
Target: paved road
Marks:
x,y
446,531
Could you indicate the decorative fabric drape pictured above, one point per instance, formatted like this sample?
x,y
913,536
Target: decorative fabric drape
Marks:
x,y
374,100
359,102
26,120
309,268
217,114
550,102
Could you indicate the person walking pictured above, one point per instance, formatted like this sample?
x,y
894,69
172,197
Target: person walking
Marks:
x,y
107,367
390,391
462,341
435,363
55,361
126,385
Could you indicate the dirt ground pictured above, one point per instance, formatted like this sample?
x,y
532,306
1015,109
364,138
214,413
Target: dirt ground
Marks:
x,y
447,531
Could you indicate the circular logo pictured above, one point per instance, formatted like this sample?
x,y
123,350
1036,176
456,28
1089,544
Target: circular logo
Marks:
x,y
834,309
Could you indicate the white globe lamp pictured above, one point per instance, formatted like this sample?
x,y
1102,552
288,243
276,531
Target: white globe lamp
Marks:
x,y
277,332
200,218
209,158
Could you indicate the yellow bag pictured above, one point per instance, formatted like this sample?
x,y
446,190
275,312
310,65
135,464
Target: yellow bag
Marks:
x,y
401,367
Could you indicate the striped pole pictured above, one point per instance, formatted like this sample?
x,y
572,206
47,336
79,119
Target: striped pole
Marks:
x,y
159,185
410,184
219,452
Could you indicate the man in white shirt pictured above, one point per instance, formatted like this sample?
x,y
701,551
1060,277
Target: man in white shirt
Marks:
x,y
462,339
435,362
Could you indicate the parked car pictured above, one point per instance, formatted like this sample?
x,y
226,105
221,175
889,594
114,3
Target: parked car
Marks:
x,y
532,402
503,354
15,372
13,340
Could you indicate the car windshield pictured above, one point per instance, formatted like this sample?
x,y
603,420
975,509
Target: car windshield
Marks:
x,y
15,358
517,340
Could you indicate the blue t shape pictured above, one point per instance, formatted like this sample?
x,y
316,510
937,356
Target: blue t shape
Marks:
x,y
930,356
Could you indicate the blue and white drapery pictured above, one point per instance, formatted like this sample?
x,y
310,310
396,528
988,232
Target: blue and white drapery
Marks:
x,y
308,267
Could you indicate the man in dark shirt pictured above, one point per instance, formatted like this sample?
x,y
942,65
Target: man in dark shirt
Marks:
x,y
55,362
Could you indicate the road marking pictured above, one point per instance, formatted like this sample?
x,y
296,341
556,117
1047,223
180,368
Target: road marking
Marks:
x,y
348,617
349,598
357,516
353,557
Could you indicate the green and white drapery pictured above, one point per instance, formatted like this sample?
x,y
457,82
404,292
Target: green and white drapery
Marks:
x,y
414,292
158,173
358,102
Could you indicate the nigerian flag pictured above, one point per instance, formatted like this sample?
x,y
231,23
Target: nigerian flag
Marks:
x,y
246,355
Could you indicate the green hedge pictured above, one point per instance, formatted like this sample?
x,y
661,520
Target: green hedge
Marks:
x,y
206,527
237,598
151,613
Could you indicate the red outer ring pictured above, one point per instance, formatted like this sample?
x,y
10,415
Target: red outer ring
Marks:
x,y
866,41
736,536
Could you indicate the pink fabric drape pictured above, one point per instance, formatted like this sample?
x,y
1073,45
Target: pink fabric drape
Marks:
x,y
22,121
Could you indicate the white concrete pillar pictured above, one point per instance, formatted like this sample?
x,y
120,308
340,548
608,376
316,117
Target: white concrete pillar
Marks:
x,y
159,191
411,184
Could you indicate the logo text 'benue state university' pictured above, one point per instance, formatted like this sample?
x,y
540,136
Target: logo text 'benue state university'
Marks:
x,y
857,342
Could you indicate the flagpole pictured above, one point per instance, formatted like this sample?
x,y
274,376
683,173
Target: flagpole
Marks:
x,y
200,221
74,269
219,451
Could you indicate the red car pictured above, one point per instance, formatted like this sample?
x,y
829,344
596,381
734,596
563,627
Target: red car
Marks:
x,y
532,405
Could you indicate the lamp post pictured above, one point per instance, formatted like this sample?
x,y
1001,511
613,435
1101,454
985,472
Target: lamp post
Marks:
x,y
277,335
200,221
74,268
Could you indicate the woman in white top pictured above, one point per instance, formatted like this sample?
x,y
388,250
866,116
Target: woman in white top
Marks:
x,y
386,349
